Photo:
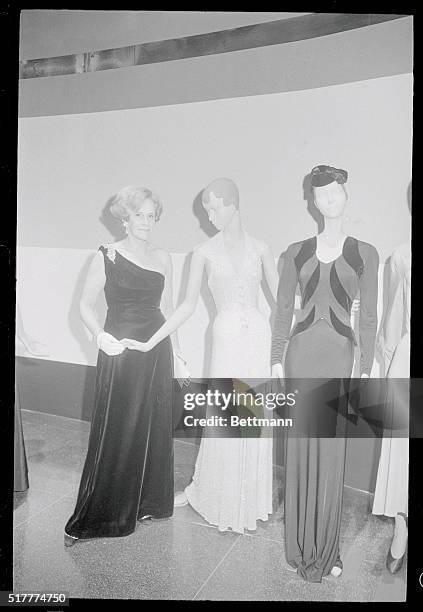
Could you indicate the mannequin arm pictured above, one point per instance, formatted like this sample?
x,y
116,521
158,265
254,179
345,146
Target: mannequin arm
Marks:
x,y
182,313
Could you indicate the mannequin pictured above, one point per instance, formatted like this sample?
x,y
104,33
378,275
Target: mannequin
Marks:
x,y
391,493
232,483
331,269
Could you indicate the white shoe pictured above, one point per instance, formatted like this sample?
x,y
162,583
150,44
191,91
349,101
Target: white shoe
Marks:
x,y
336,571
180,500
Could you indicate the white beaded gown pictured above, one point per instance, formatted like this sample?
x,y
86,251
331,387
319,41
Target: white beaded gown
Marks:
x,y
391,492
232,482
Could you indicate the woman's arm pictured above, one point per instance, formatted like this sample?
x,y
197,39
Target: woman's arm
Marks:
x,y
166,305
284,310
183,312
270,271
181,372
94,283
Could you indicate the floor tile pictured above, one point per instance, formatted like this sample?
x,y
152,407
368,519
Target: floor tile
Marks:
x,y
254,569
161,560
261,575
49,476
43,418
31,503
183,557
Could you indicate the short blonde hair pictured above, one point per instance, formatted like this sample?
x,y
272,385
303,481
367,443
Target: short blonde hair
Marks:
x,y
130,199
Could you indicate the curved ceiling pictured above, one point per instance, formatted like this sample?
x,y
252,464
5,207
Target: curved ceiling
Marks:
x,y
51,33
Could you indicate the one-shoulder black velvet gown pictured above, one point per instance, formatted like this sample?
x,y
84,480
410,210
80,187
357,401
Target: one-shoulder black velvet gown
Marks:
x,y
128,471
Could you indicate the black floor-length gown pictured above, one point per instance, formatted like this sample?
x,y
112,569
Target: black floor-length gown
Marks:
x,y
128,471
321,346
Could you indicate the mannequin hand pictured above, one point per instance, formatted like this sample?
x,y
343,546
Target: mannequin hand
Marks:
x,y
181,371
277,370
108,343
355,306
135,345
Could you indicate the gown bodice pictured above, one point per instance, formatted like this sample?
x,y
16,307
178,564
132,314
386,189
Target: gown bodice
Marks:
x,y
241,332
235,290
133,297
327,293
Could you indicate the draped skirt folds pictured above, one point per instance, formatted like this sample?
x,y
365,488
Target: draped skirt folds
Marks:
x,y
233,478
128,471
315,450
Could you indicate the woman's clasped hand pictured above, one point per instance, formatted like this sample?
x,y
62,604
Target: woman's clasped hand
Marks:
x,y
112,346
135,345
109,344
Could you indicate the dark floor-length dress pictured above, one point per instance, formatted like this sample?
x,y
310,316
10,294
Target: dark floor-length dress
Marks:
x,y
21,482
128,471
321,346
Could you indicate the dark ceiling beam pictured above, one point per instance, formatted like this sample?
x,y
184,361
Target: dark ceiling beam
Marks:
x,y
236,39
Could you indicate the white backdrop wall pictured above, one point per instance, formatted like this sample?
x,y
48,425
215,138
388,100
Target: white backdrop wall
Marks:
x,y
50,281
70,165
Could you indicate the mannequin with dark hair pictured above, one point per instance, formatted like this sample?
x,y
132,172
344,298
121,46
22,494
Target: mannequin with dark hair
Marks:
x,y
331,270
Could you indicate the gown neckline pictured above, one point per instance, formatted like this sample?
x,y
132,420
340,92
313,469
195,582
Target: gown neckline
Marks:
x,y
137,265
332,260
227,257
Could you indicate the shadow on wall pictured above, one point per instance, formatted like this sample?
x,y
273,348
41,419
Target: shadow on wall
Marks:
x,y
88,346
74,318
113,225
209,229
311,208
203,221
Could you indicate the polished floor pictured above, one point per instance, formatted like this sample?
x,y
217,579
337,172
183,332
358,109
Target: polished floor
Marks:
x,y
182,557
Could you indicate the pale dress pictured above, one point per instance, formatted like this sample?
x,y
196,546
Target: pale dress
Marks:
x,y
232,482
391,493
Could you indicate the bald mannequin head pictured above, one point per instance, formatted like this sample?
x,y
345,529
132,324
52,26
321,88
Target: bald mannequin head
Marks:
x,y
223,188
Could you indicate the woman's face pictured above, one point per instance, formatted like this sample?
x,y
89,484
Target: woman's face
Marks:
x,y
219,214
330,199
139,223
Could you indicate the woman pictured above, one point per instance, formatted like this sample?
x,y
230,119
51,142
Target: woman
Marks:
x,y
331,269
391,493
232,483
128,471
